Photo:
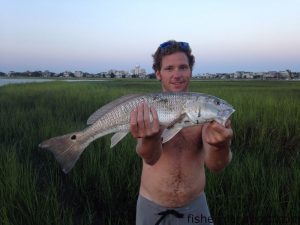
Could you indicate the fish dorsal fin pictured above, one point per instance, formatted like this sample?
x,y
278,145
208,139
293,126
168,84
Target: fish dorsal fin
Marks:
x,y
108,107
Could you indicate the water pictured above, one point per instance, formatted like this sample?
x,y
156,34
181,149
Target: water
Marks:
x,y
4,81
19,81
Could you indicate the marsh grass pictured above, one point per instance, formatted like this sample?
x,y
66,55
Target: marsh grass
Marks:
x,y
260,186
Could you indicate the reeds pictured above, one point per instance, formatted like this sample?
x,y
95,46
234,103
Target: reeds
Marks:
x,y
260,186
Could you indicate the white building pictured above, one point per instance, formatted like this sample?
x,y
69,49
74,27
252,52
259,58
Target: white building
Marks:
x,y
285,75
138,71
66,74
78,74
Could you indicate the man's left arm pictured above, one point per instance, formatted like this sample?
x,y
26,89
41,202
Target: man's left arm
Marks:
x,y
216,143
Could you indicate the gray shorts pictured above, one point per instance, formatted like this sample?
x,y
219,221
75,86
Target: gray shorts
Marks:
x,y
150,213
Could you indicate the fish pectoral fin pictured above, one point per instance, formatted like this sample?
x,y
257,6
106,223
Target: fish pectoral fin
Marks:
x,y
169,133
220,121
173,128
177,120
117,137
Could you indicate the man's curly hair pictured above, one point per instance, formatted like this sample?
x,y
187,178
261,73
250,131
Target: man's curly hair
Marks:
x,y
173,47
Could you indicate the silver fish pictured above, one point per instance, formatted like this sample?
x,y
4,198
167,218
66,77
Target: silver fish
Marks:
x,y
175,111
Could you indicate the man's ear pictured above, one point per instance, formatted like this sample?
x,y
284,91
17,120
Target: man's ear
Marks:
x,y
158,75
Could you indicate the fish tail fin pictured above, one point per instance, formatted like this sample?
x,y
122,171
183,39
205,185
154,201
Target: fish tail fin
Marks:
x,y
66,149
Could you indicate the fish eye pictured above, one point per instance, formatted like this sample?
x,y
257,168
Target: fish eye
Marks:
x,y
217,102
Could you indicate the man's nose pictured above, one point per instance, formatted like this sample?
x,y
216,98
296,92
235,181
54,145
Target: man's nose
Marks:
x,y
177,72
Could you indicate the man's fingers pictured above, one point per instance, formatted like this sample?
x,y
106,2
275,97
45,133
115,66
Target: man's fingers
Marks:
x,y
140,117
144,121
228,124
215,132
217,127
155,122
147,117
133,123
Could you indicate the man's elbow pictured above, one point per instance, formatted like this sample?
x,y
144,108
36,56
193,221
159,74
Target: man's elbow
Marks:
x,y
218,165
150,162
149,158
215,168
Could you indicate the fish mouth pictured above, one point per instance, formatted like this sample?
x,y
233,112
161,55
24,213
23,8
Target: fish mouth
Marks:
x,y
227,113
224,115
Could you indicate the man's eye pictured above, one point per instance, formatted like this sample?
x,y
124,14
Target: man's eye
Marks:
x,y
184,67
169,68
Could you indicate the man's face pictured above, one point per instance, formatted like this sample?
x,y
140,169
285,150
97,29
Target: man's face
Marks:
x,y
175,72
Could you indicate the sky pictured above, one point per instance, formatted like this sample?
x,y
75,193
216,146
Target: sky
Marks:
x,y
99,35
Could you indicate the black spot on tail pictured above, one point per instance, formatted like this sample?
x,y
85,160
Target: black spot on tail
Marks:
x,y
73,137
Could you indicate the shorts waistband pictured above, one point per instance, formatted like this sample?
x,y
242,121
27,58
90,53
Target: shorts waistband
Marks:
x,y
194,203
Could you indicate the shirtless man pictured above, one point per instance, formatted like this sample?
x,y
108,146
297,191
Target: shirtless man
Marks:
x,y
173,175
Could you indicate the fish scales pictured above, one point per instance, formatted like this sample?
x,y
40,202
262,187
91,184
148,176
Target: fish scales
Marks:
x,y
121,115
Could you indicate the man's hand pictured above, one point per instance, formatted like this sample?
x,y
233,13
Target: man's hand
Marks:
x,y
148,132
216,143
141,123
217,135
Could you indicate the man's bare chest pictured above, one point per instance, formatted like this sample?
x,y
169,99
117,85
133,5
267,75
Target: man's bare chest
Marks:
x,y
187,140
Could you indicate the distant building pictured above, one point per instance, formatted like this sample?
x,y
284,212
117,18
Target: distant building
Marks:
x,y
46,73
284,75
102,74
11,73
270,75
137,71
67,74
78,74
117,74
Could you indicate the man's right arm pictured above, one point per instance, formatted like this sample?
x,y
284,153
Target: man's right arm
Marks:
x,y
147,132
149,150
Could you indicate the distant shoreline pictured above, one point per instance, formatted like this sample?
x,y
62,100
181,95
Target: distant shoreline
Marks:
x,y
22,80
